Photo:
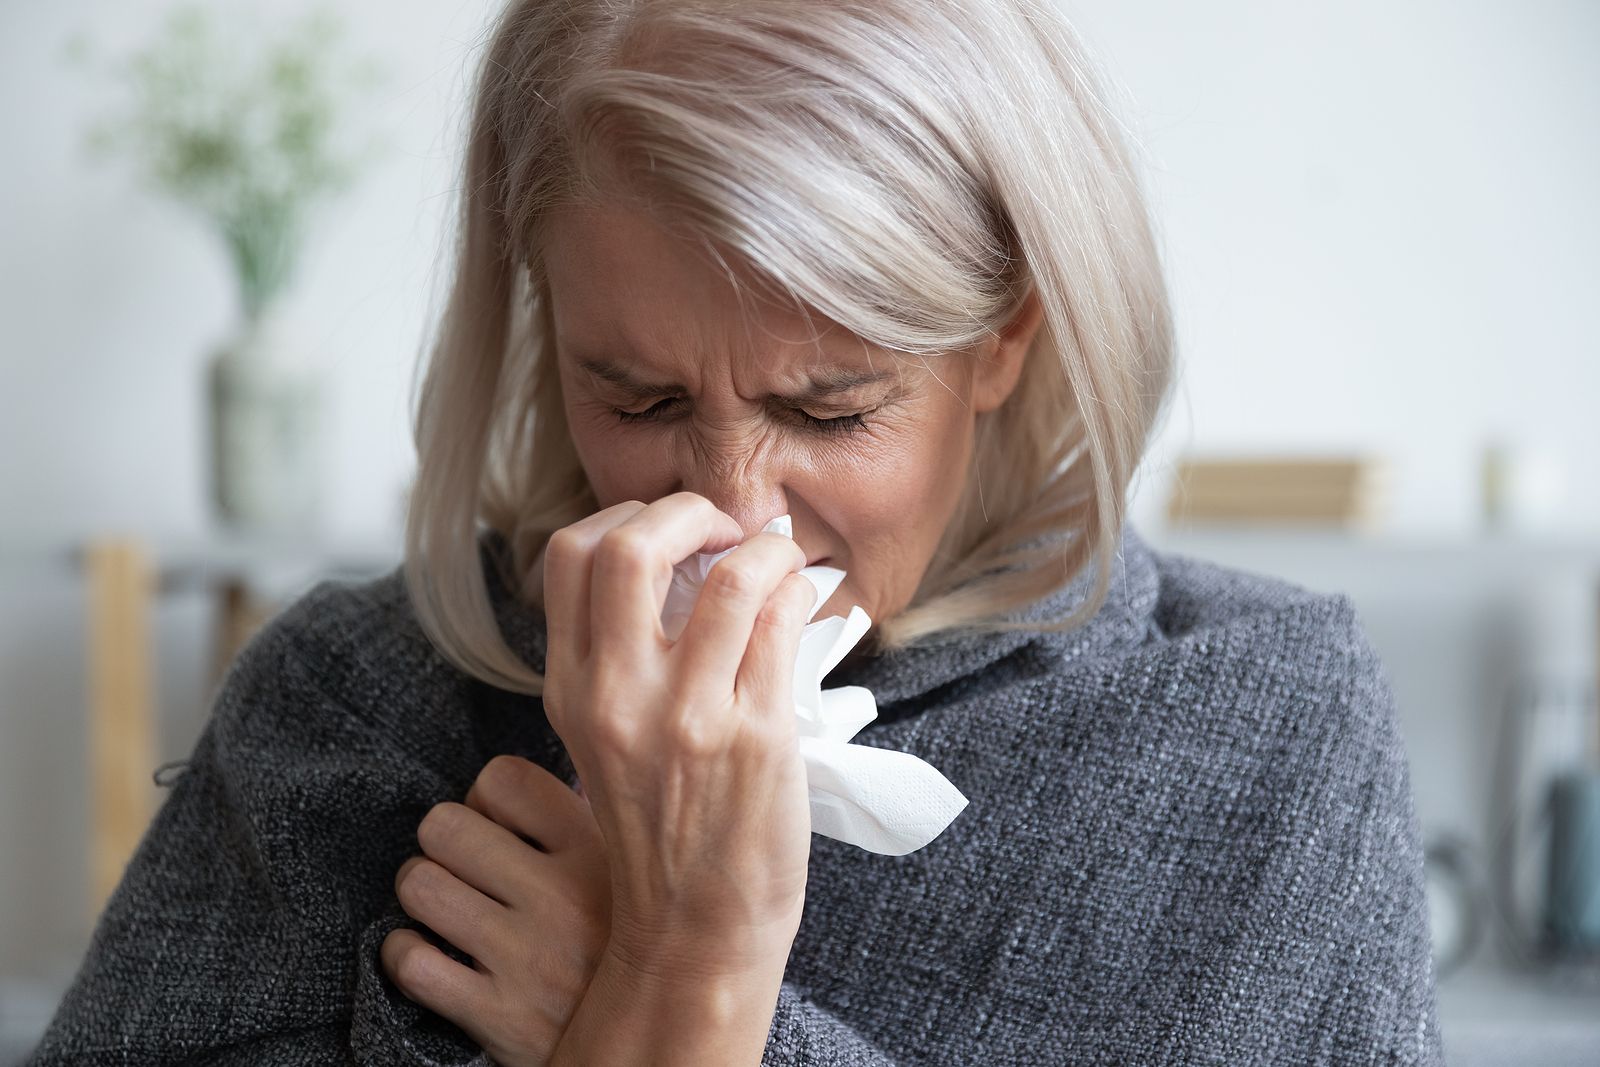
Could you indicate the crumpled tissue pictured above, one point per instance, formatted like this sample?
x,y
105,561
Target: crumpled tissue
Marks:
x,y
882,800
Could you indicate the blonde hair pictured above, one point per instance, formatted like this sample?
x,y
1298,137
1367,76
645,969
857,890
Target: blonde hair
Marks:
x,y
910,169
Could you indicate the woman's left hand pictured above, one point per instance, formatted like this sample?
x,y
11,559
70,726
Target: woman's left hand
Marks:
x,y
535,920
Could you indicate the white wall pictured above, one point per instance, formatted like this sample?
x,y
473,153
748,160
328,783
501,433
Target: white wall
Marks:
x,y
1382,227
109,301
1381,234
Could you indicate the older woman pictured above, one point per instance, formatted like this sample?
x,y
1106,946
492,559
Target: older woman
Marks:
x,y
883,268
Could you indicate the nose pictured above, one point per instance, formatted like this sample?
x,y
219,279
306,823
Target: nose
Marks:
x,y
752,494
752,507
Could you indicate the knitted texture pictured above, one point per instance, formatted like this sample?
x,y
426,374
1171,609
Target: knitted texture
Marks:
x,y
1190,840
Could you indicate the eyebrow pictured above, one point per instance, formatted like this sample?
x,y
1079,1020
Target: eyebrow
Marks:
x,y
825,382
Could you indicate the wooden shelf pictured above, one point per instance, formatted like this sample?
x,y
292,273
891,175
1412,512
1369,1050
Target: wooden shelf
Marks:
x,y
1319,539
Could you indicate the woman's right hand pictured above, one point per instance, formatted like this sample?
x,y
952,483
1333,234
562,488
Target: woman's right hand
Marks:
x,y
688,749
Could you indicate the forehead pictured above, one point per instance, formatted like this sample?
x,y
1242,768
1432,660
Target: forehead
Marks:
x,y
625,289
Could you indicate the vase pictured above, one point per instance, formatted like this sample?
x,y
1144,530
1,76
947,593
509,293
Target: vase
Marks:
x,y
266,423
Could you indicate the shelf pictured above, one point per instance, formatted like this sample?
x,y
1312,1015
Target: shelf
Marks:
x,y
202,561
1582,543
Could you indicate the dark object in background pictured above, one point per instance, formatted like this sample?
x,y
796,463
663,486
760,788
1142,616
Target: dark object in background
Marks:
x,y
1572,898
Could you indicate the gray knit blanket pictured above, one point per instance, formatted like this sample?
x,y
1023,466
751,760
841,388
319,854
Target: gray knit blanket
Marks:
x,y
1190,839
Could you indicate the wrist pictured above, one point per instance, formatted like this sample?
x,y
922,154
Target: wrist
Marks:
x,y
669,1009
709,972
726,956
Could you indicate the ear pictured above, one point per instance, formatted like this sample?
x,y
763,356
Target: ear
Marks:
x,y
999,361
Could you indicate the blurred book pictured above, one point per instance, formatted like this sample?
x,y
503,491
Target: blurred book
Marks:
x,y
1345,492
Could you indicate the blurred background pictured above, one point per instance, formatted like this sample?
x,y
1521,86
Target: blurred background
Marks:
x,y
223,235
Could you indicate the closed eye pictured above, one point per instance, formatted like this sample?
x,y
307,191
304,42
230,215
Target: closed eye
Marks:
x,y
851,423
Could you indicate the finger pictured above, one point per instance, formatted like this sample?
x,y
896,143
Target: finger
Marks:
x,y
474,847
450,907
568,559
429,977
524,798
633,567
766,676
716,639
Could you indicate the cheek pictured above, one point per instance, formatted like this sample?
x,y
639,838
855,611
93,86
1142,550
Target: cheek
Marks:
x,y
890,498
889,502
623,462
891,485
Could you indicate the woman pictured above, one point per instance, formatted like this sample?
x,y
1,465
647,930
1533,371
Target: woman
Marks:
x,y
884,268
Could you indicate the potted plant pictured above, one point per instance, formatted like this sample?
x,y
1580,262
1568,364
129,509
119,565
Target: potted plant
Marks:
x,y
244,130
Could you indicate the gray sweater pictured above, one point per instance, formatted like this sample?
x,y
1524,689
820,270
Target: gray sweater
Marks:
x,y
1190,839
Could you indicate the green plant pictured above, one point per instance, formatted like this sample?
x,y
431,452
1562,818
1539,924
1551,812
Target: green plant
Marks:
x,y
248,135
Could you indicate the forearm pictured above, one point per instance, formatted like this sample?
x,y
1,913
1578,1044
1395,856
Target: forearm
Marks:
x,y
695,1018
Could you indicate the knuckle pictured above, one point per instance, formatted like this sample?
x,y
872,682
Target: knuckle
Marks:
x,y
730,582
788,604
412,971
801,593
774,614
419,884
527,1030
442,821
697,736
404,872
624,548
565,548
503,771
612,734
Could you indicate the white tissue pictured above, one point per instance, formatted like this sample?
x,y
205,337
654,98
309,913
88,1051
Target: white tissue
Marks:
x,y
885,801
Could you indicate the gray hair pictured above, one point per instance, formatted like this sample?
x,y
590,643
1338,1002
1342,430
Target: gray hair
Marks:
x,y
910,169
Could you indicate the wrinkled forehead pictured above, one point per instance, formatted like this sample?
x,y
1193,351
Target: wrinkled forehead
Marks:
x,y
609,263
629,293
